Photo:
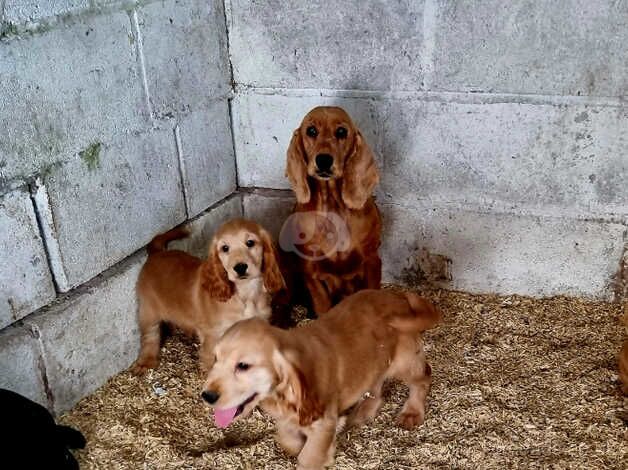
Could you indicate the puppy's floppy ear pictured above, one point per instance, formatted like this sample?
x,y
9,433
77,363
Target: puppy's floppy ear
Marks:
x,y
296,168
273,279
214,277
296,388
360,175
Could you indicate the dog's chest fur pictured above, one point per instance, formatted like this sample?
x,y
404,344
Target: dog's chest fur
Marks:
x,y
253,298
249,300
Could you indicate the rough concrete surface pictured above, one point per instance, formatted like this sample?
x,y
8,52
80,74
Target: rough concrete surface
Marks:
x,y
25,280
203,227
24,11
263,125
269,208
542,157
333,44
206,156
185,54
572,47
107,209
90,337
503,253
575,47
21,364
57,96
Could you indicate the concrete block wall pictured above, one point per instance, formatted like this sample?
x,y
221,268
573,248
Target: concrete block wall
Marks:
x,y
115,125
500,129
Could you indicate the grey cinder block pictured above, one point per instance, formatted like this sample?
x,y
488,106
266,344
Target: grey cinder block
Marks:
x,y
269,209
57,96
572,47
25,279
206,156
502,253
516,156
22,369
358,44
33,11
91,336
110,202
185,54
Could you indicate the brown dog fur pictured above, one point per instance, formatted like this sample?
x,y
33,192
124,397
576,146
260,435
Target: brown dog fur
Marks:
x,y
205,297
307,377
346,190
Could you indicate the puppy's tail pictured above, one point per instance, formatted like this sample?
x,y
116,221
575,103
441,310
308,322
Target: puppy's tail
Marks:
x,y
160,242
425,315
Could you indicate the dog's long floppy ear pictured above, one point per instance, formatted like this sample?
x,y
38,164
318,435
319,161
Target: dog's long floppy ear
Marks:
x,y
360,175
214,277
273,279
296,168
296,389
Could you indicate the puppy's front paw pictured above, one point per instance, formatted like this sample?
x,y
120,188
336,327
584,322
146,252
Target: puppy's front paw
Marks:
x,y
408,420
142,366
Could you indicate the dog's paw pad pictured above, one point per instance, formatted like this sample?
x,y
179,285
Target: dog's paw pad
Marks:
x,y
410,420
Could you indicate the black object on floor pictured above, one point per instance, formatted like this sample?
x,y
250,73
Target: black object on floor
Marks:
x,y
32,439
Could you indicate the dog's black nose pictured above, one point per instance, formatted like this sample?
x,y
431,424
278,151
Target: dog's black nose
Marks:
x,y
324,161
210,396
241,268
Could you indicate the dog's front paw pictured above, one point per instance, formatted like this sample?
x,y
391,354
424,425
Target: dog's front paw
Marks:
x,y
408,420
142,366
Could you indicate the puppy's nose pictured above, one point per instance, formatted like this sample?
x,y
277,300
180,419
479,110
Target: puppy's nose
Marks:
x,y
241,268
210,396
324,161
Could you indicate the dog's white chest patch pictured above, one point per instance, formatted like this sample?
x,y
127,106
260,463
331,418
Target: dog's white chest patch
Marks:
x,y
254,298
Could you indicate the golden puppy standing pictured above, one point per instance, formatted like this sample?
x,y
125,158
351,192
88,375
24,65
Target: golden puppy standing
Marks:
x,y
205,298
305,378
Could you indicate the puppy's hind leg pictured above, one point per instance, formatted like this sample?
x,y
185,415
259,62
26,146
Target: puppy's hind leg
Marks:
x,y
410,366
150,331
368,407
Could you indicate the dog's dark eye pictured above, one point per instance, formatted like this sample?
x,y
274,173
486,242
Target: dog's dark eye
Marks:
x,y
250,243
341,133
224,248
311,131
242,366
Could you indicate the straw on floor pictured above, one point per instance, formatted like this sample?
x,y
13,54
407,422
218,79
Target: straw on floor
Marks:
x,y
518,383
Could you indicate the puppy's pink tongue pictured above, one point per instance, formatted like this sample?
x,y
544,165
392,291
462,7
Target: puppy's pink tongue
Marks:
x,y
223,418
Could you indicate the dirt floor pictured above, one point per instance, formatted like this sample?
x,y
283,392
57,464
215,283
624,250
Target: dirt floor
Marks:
x,y
518,383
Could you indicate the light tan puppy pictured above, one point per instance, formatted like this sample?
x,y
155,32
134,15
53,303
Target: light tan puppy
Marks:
x,y
307,377
205,298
